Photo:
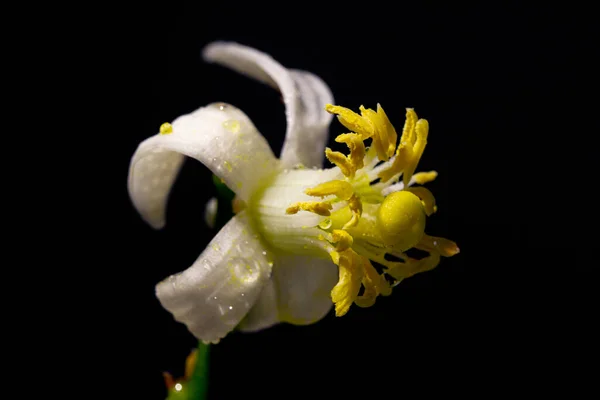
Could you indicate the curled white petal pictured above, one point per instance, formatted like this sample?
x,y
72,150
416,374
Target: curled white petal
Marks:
x,y
299,292
264,314
303,285
220,136
213,295
304,94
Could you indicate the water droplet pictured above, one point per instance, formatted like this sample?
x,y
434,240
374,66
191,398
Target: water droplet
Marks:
x,y
243,294
325,224
215,297
222,106
270,263
232,125
264,253
231,307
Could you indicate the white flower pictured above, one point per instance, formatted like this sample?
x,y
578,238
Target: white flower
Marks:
x,y
302,229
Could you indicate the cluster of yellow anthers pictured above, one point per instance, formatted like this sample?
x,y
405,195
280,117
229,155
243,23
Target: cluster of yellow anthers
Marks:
x,y
370,226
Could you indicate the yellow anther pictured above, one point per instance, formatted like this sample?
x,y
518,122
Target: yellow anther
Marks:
x,y
445,247
374,284
422,178
411,266
341,189
166,128
342,239
352,120
426,198
317,207
350,276
355,206
408,132
401,220
388,128
410,150
341,161
380,140
355,143
422,130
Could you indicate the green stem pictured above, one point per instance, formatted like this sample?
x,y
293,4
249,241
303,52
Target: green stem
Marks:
x,y
198,383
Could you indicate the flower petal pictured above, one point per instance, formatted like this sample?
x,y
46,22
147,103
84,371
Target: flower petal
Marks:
x,y
264,314
213,295
303,286
304,94
220,136
299,292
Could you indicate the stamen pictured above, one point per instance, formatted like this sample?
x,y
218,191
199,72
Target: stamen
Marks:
x,y
374,284
426,198
422,130
380,139
435,246
390,132
350,276
342,239
352,120
356,207
341,161
341,189
317,207
445,247
422,178
356,145
410,150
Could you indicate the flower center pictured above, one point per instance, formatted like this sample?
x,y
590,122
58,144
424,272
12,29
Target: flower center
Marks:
x,y
367,221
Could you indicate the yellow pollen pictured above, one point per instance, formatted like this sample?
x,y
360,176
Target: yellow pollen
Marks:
x,y
166,128
317,207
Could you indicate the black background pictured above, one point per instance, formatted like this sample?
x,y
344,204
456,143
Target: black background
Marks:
x,y
504,89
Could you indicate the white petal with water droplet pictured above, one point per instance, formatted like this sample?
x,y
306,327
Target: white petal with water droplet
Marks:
x,y
220,136
213,295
